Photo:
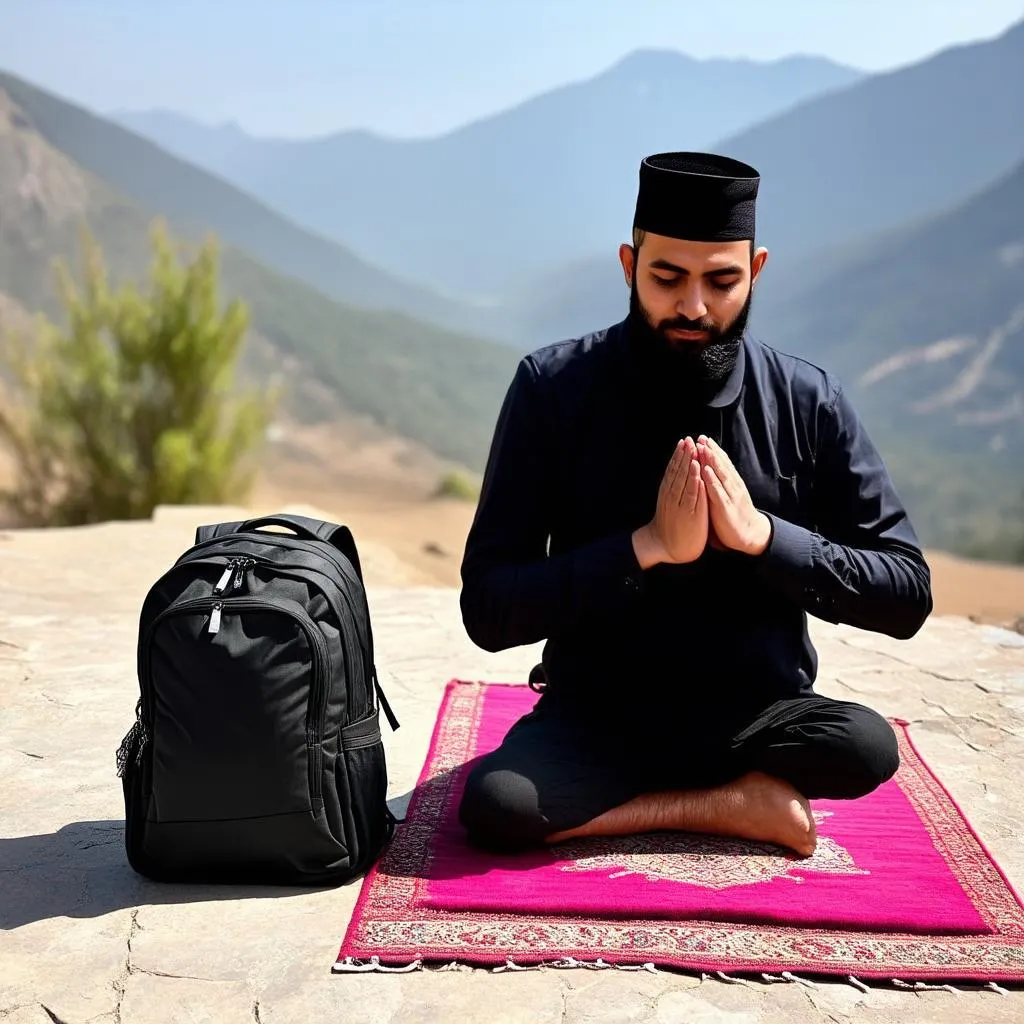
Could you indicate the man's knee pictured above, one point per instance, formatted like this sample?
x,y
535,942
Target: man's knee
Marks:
x,y
841,752
867,753
500,810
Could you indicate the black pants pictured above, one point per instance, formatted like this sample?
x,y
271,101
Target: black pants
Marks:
x,y
556,771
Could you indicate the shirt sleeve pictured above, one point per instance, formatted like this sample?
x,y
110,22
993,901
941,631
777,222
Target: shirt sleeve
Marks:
x,y
514,592
865,568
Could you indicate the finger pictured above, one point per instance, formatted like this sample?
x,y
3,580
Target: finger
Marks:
x,y
700,505
717,494
715,465
725,472
677,472
688,499
723,463
672,466
686,476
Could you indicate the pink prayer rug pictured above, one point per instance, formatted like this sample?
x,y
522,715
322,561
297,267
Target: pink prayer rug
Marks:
x,y
900,886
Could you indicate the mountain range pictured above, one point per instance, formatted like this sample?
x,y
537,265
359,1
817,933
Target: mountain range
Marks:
x,y
490,210
145,173
836,170
418,380
892,206
487,206
925,326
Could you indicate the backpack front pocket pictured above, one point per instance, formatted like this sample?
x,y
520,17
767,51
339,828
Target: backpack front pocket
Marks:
x,y
235,695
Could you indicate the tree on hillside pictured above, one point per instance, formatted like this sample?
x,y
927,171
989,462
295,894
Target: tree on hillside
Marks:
x,y
133,403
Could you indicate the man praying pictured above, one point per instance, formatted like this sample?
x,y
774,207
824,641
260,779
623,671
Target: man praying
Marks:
x,y
665,502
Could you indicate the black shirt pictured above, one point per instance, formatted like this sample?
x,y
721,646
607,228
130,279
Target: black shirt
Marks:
x,y
581,443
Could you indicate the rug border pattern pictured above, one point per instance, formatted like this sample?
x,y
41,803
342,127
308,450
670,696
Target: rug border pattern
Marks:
x,y
389,922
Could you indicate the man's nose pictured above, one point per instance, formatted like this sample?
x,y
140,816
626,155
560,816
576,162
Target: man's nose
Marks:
x,y
691,303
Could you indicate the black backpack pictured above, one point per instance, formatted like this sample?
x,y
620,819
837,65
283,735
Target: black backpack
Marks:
x,y
256,754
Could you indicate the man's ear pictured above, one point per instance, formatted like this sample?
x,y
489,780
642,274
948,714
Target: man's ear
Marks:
x,y
757,263
627,257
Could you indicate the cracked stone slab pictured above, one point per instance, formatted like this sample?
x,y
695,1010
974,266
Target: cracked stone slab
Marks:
x,y
34,1013
676,1007
532,997
157,1000
83,939
70,965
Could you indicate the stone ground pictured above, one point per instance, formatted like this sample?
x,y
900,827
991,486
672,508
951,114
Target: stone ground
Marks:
x,y
84,939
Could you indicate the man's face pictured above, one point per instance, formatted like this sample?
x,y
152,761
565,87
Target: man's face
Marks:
x,y
692,294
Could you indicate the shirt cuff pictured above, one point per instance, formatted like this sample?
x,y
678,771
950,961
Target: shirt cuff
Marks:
x,y
607,568
789,556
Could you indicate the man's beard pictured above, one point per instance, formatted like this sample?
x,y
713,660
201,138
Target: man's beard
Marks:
x,y
698,365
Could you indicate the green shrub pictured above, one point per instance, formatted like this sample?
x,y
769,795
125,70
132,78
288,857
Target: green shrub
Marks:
x,y
458,485
133,404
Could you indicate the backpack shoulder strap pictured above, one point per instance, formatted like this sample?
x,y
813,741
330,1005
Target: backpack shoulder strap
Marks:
x,y
204,533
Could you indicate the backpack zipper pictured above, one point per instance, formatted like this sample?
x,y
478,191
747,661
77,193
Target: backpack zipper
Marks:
x,y
296,544
318,648
221,585
349,625
233,575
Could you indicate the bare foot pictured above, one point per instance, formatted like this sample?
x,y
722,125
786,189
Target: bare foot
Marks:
x,y
756,806
772,811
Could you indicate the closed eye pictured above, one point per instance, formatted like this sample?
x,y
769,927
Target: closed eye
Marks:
x,y
724,286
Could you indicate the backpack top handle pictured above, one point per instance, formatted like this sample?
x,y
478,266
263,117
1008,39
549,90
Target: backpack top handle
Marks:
x,y
303,527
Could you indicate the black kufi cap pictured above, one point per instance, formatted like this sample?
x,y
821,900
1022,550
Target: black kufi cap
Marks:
x,y
700,197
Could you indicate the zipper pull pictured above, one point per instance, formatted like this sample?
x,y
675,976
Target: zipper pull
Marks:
x,y
222,583
214,626
241,567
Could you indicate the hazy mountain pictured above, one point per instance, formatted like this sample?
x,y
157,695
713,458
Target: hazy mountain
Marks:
x,y
481,209
926,327
835,170
959,272
142,171
928,320
210,147
888,149
421,382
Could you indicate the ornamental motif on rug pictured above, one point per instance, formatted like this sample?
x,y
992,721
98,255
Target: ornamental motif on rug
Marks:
x,y
710,862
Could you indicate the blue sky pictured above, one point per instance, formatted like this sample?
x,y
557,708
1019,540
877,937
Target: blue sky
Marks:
x,y
419,67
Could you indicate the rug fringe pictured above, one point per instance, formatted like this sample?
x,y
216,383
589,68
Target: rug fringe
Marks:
x,y
727,978
923,986
510,965
571,962
791,978
807,983
354,965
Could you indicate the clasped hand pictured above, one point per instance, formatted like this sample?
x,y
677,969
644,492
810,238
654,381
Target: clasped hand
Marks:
x,y
701,500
